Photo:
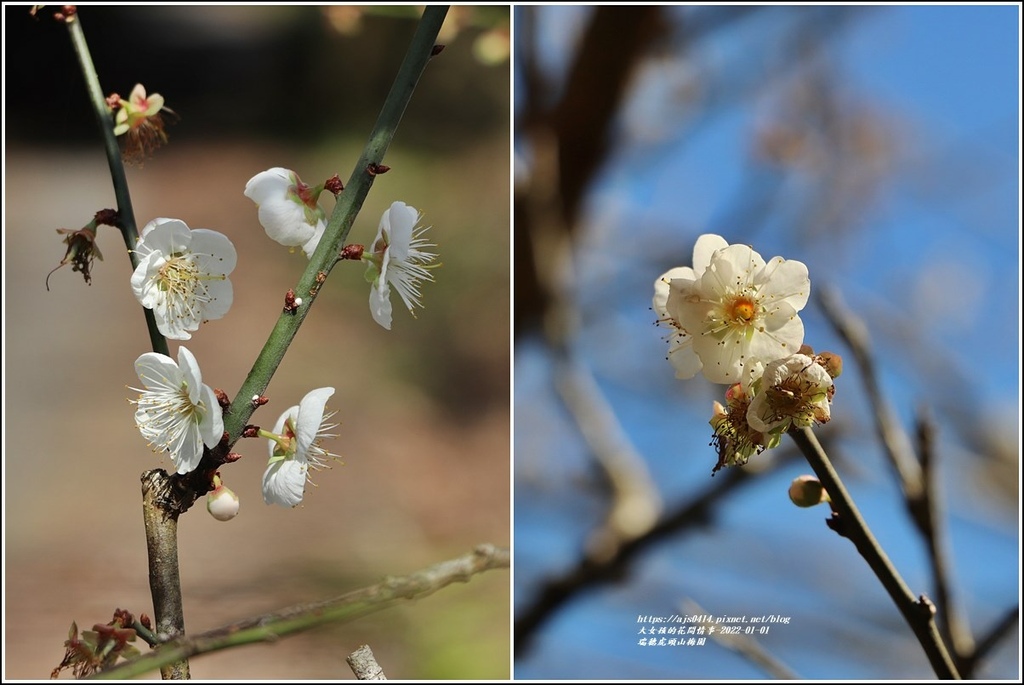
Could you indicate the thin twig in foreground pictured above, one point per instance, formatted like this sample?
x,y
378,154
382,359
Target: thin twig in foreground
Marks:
x,y
347,607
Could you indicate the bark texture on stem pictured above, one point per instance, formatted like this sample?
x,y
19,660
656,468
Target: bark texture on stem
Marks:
x,y
161,523
364,665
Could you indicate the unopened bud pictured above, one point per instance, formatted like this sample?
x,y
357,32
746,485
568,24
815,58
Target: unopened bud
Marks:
x,y
831,362
221,502
807,491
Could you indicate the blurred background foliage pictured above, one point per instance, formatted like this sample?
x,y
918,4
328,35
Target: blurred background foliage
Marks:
x,y
878,145
424,408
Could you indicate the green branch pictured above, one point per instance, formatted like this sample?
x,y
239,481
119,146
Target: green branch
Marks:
x,y
847,521
105,120
347,607
349,203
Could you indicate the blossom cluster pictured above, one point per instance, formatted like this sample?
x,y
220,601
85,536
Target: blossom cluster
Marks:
x,y
290,214
182,276
734,317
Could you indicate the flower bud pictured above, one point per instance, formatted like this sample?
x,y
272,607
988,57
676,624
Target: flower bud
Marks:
x,y
221,502
832,363
807,491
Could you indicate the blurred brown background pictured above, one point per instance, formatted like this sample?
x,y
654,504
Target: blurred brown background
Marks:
x,y
424,408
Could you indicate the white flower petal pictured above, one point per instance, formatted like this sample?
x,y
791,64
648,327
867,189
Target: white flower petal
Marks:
x,y
268,186
282,215
704,249
380,303
190,372
176,412
157,371
182,276
212,426
188,451
310,246
310,418
215,253
399,221
284,482
166,235
662,287
739,311
785,281
399,251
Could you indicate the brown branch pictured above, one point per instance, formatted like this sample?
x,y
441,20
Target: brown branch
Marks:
x,y
846,521
614,42
161,524
635,502
915,473
892,436
929,523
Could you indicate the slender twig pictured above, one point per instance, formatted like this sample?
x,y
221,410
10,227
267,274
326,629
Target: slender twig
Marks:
x,y
847,521
951,621
347,607
892,436
105,120
364,665
915,472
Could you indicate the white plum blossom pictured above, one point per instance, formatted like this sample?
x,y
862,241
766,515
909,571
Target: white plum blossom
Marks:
x,y
295,448
397,258
182,275
177,412
288,209
680,351
740,312
793,391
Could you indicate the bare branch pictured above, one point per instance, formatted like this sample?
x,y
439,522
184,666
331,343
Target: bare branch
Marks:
x,y
846,520
364,665
892,436
347,607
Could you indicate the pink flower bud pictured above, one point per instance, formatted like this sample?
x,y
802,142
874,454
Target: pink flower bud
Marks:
x,y
222,503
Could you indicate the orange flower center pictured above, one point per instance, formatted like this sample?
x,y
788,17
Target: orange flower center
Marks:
x,y
742,310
